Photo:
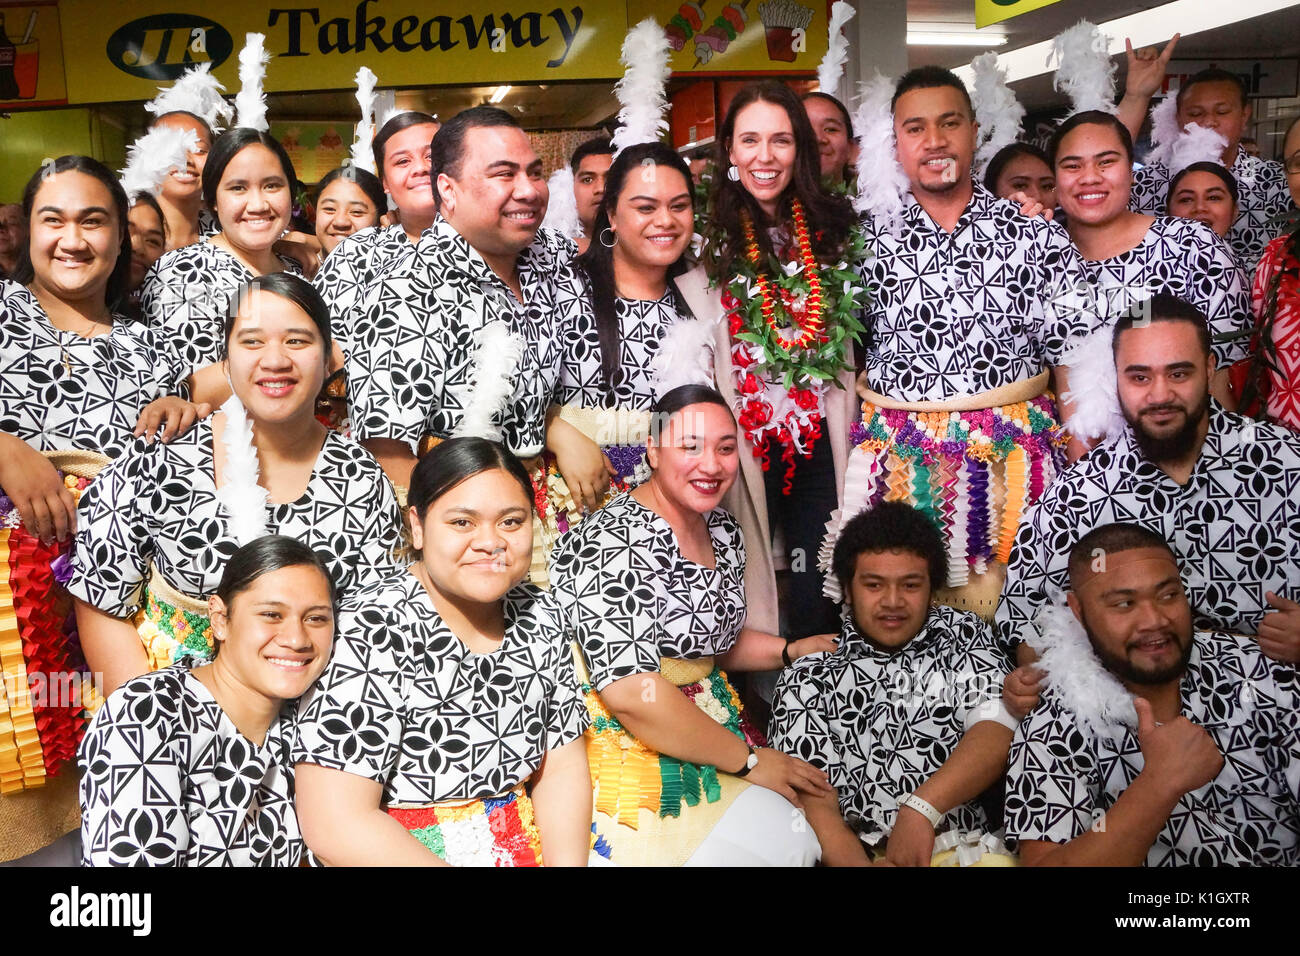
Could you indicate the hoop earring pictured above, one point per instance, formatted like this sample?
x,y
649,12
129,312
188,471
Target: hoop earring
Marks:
x,y
613,241
733,174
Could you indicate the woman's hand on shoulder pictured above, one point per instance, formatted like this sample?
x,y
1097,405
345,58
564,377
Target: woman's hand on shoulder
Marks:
x,y
166,418
33,484
302,249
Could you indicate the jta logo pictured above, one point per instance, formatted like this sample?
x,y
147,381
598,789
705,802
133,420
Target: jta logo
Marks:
x,y
163,46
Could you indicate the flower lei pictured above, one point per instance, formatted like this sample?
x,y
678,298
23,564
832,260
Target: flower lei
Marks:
x,y
790,331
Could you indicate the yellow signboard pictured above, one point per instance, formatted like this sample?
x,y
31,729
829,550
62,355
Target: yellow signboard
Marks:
x,y
126,51
739,36
995,11
31,56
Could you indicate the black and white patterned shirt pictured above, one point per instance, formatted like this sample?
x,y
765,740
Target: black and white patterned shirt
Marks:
x,y
186,296
1263,192
405,703
158,504
356,262
881,724
641,323
91,402
1183,257
630,597
1062,779
412,368
1234,527
964,312
167,780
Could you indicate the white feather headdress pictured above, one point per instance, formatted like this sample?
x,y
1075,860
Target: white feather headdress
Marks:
x,y
362,156
642,90
1086,689
1085,72
240,494
685,357
1196,144
250,101
495,365
562,209
155,154
1164,130
197,92
882,184
997,110
831,69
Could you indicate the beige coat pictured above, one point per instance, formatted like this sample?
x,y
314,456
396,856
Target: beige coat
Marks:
x,y
747,499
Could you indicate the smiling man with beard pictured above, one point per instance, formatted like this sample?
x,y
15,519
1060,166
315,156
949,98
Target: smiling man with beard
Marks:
x,y
1154,744
1223,490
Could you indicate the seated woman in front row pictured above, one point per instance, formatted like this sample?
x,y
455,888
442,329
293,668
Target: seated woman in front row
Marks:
x,y
448,727
653,585
189,765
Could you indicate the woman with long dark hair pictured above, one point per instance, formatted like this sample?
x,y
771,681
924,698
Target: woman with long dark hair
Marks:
x,y
191,765
779,283
248,184
348,200
159,524
653,587
448,727
614,304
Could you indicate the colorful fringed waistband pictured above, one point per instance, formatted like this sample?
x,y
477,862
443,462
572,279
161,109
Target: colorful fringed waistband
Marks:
x,y
973,473
170,632
497,831
628,776
45,686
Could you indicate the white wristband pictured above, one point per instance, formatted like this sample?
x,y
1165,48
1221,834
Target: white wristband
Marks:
x,y
993,709
922,807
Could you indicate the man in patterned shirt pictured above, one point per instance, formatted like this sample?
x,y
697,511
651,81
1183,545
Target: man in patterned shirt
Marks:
x,y
1223,490
1216,99
1156,744
905,717
969,313
418,369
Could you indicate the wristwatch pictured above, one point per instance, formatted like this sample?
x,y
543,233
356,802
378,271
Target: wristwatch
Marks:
x,y
750,763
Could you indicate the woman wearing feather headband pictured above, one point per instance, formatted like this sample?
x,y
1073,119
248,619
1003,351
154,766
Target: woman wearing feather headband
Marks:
x,y
75,377
779,278
264,462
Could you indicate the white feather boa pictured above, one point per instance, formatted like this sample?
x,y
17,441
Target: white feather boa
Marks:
x,y
562,208
642,90
362,156
240,494
495,364
250,101
155,154
1085,688
882,184
997,110
685,357
1164,130
197,92
1085,72
831,69
1094,387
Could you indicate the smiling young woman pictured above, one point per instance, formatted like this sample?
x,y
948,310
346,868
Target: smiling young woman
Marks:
x,y
169,516
348,200
614,304
448,727
1129,257
151,794
248,184
779,264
